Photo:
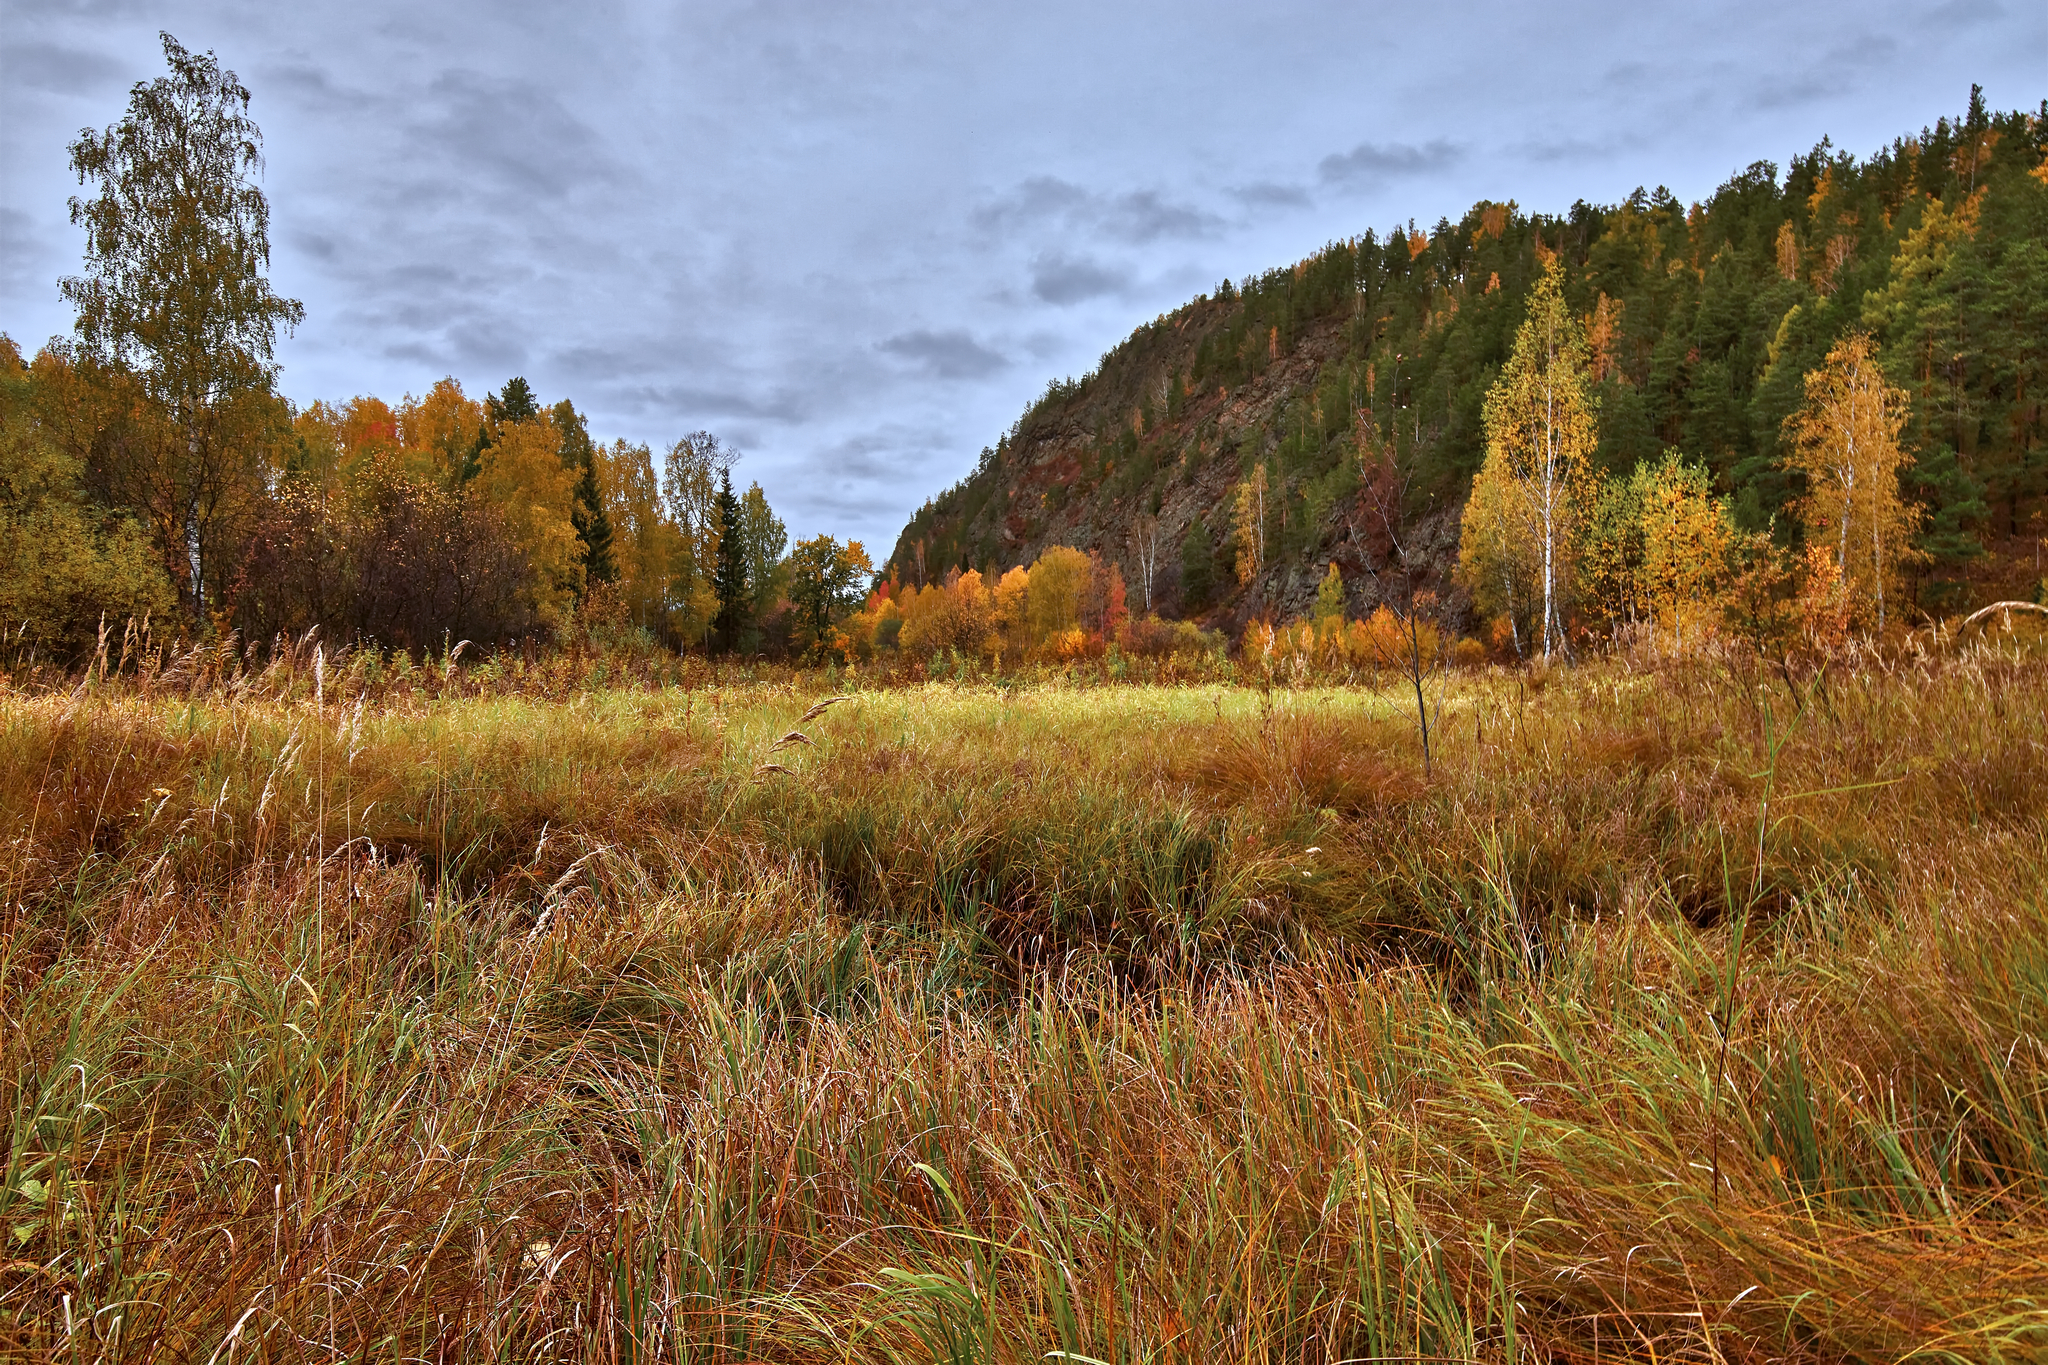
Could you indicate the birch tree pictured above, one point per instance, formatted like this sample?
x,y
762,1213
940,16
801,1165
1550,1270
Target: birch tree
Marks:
x,y
1531,494
175,296
1845,440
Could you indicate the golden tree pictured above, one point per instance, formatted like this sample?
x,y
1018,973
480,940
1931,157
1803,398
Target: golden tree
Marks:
x,y
1052,601
175,301
1686,540
1249,525
1845,441
1522,523
522,476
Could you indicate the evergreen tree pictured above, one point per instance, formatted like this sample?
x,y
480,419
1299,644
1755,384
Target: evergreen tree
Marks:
x,y
515,404
593,524
729,578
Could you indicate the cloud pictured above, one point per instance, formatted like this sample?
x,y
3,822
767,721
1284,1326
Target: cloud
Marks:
x,y
1143,216
312,87
1838,71
1272,194
25,258
44,10
1566,150
61,70
1061,279
1369,163
951,354
1959,12
1137,216
516,131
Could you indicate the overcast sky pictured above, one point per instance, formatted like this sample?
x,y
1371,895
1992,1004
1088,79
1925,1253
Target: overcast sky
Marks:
x,y
857,239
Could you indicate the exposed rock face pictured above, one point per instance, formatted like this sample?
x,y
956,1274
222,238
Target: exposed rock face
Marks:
x,y
1129,453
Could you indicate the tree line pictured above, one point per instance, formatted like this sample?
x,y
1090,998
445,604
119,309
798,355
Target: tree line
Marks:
x,y
151,470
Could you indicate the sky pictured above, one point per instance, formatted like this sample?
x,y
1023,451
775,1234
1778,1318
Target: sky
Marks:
x,y
857,239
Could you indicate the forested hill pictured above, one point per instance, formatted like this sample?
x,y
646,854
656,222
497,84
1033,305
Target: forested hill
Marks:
x,y
1702,319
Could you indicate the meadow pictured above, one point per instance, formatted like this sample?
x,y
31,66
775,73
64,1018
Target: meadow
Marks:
x,y
1680,1010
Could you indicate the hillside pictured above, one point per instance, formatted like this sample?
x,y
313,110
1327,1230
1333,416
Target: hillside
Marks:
x,y
1703,318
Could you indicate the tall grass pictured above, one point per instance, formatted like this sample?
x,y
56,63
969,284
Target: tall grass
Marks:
x,y
1677,1013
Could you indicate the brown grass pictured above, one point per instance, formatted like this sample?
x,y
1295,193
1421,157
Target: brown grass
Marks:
x,y
1675,1015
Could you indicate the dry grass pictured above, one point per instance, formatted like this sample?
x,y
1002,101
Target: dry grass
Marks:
x,y
1676,1015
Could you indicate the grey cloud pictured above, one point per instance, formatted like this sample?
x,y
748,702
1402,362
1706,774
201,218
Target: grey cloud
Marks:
x,y
1137,216
949,354
858,475
44,10
706,402
1372,162
319,245
1272,194
1566,149
1061,279
61,70
22,252
1957,12
596,362
1838,71
1143,216
313,87
517,130
1034,200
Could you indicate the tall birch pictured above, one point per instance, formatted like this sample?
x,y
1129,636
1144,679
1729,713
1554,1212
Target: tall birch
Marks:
x,y
1531,495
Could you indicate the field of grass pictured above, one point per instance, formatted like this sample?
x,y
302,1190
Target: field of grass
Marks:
x,y
1673,1012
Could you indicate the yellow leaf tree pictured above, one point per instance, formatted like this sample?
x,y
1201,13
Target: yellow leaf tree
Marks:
x,y
1686,540
1249,525
523,477
1530,496
1845,441
1052,600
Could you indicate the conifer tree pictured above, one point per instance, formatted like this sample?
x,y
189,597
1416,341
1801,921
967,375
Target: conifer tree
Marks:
x,y
593,523
729,578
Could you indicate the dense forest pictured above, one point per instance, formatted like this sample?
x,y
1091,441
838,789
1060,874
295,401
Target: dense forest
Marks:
x,y
1701,324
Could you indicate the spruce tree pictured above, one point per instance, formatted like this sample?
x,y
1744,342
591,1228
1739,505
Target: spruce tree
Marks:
x,y
515,404
587,513
729,578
